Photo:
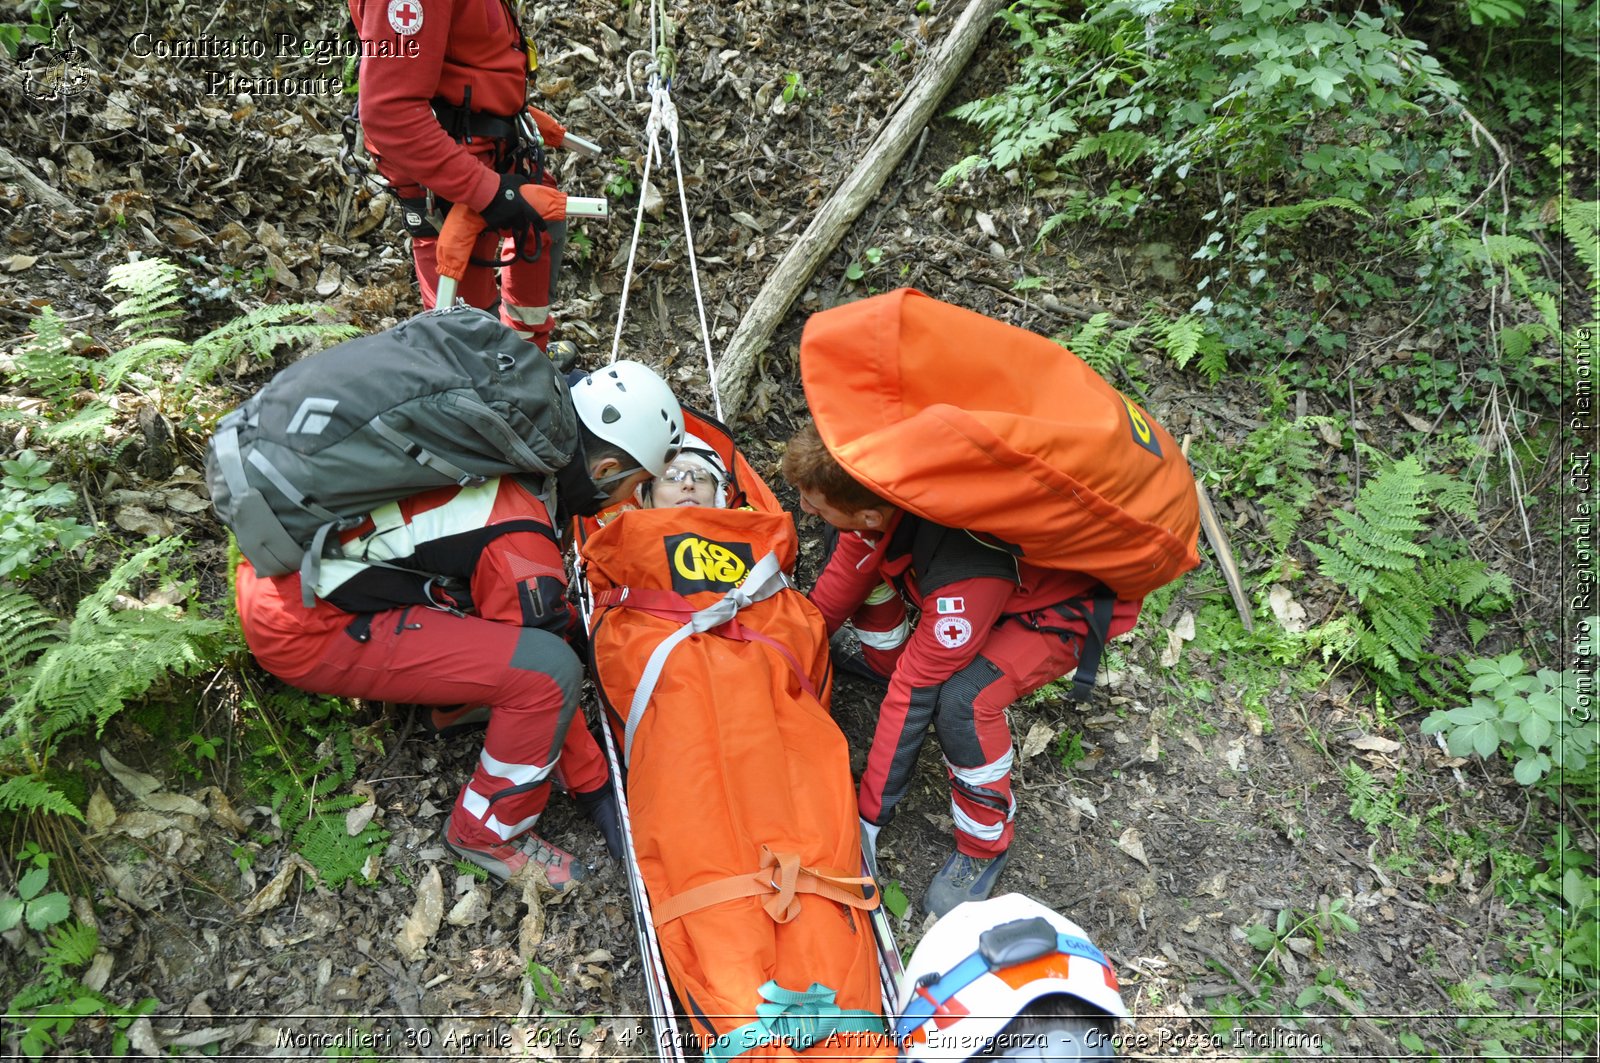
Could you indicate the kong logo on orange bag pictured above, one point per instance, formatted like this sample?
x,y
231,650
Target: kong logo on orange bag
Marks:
x,y
700,564
976,424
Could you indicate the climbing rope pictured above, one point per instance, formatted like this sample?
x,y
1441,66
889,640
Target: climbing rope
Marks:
x,y
664,116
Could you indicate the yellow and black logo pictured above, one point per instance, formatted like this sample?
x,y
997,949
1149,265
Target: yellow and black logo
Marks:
x,y
703,565
1143,434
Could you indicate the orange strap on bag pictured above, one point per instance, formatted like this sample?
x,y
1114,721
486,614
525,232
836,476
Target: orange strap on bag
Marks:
x,y
783,876
976,424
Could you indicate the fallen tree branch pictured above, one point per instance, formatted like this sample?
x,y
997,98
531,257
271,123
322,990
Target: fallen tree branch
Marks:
x,y
11,168
836,215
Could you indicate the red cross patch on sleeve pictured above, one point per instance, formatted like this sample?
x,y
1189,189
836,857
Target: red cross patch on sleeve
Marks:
x,y
405,16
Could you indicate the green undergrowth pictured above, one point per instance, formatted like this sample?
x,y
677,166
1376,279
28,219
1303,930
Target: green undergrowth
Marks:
x,y
107,640
1393,261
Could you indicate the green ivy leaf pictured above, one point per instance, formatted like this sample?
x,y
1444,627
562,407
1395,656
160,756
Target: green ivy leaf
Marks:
x,y
1530,770
894,899
1535,731
48,910
1576,891
29,885
1261,937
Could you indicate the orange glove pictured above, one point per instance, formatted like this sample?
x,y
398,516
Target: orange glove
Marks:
x,y
550,204
553,132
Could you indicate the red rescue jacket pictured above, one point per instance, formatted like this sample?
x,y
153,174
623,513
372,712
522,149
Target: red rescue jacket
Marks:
x,y
927,562
416,51
515,577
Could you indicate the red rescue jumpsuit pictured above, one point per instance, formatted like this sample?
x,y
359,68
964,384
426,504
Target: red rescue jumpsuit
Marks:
x,y
420,51
992,629
508,653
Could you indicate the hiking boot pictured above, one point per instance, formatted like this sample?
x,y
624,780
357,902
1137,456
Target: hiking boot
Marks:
x,y
963,878
601,808
447,721
851,662
504,859
564,353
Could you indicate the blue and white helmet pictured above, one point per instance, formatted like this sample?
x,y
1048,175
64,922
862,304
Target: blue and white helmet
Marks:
x,y
982,964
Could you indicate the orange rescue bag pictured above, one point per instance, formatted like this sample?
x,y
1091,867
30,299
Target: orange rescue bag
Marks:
x,y
972,423
743,811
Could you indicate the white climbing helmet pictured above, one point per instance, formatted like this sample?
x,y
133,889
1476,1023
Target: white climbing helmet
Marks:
x,y
983,963
626,403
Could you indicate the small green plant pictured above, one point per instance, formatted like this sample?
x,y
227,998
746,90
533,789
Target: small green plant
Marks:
x,y
1377,807
64,685
1531,719
857,269
29,904
152,290
1400,573
1327,920
38,28
894,899
543,981
1069,750
30,540
47,1008
794,89
302,756
619,182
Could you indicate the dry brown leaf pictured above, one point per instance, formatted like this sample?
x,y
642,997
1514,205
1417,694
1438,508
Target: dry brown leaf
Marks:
x,y
142,824
356,820
101,813
1174,650
1132,843
1290,613
1417,423
530,932
1376,744
184,501
141,521
330,280
273,893
423,922
99,971
18,263
142,1035
472,908
1040,735
1184,628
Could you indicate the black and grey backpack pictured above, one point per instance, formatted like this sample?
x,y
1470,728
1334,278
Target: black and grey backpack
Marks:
x,y
448,397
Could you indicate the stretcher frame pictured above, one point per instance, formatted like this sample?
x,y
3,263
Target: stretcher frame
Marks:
x,y
670,1042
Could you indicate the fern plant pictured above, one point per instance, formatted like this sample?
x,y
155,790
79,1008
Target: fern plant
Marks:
x,y
302,756
1106,350
108,656
1278,459
47,362
1399,572
146,314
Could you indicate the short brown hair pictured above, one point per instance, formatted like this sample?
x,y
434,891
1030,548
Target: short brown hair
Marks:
x,y
808,466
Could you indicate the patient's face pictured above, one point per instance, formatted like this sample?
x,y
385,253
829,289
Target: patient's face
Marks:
x,y
683,484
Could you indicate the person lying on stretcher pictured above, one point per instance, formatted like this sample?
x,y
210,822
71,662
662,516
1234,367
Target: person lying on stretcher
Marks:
x,y
696,477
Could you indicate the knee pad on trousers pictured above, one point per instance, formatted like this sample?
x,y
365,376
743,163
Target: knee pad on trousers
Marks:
x,y
543,651
954,718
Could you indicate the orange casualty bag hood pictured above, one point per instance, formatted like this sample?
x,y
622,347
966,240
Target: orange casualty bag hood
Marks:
x,y
972,423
